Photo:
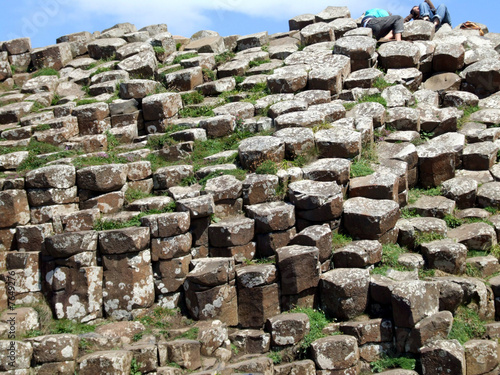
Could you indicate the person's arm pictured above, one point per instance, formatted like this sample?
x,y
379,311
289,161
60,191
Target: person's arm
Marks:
x,y
408,18
433,8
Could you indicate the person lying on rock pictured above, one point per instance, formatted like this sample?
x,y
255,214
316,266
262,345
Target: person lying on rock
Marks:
x,y
427,12
385,26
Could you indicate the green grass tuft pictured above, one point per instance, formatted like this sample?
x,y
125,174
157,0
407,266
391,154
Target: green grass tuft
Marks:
x,y
361,168
186,56
191,334
86,101
318,321
276,357
390,256
387,362
452,221
468,111
267,167
224,57
377,98
340,240
467,325
416,193
135,367
201,111
381,84
424,237
253,64
192,98
46,72
41,127
159,50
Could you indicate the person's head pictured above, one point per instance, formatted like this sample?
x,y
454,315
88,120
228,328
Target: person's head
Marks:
x,y
415,11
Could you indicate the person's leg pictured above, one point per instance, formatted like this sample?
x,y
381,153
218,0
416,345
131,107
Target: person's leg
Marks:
x,y
383,26
425,11
442,15
398,27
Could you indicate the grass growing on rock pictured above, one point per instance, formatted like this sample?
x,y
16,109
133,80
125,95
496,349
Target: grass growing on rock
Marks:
x,y
135,367
340,240
159,50
318,321
255,63
267,167
186,56
240,174
363,165
361,168
467,325
171,70
423,237
190,334
51,326
100,70
45,72
86,101
376,98
381,84
416,193
35,149
468,111
390,256
392,362
224,57
276,357
103,224
192,98
199,111
135,194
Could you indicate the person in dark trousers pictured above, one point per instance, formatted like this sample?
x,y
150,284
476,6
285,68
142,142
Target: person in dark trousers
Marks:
x,y
383,24
428,12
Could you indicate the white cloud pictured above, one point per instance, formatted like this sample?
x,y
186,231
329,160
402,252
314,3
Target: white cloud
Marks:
x,y
187,16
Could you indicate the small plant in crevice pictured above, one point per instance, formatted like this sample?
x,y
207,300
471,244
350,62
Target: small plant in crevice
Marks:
x,y
381,84
102,225
276,357
256,63
453,221
100,70
415,193
360,168
186,56
376,98
267,167
45,72
239,79
200,111
340,240
86,101
190,334
192,98
468,111
135,367
159,50
317,321
224,57
426,237
408,213
467,325
393,362
208,75
390,256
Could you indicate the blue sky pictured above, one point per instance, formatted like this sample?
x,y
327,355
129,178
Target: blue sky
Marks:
x,y
46,20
